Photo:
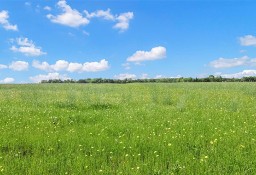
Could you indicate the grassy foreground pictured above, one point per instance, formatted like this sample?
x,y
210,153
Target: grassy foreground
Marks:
x,y
144,129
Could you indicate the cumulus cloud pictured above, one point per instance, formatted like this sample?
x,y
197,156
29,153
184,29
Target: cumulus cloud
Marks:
x,y
155,53
95,66
75,67
27,47
41,65
7,80
62,65
73,18
125,76
5,23
123,21
248,40
19,65
232,62
70,17
244,73
49,76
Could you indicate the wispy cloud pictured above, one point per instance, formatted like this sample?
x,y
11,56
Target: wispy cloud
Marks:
x,y
122,20
244,73
232,62
27,47
105,14
4,16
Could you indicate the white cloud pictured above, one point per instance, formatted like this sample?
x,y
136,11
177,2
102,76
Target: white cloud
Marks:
x,y
74,67
70,17
7,80
248,40
2,66
123,21
27,47
73,18
100,14
244,73
95,66
232,62
47,8
155,53
42,66
19,65
49,76
62,65
125,76
5,23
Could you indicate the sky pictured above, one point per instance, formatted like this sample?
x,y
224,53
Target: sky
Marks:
x,y
118,39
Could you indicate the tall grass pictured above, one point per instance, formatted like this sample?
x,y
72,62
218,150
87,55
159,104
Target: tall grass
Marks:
x,y
183,128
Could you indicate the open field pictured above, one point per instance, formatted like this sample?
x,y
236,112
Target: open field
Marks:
x,y
179,128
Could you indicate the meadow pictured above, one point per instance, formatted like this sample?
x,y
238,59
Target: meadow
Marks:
x,y
141,129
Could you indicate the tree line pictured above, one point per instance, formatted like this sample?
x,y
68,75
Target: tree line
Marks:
x,y
211,78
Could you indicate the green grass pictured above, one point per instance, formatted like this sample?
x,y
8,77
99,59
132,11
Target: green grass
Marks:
x,y
147,129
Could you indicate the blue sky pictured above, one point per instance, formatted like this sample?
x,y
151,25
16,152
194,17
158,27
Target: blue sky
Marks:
x,y
43,39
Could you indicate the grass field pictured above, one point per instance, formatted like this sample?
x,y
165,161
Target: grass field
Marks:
x,y
144,129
